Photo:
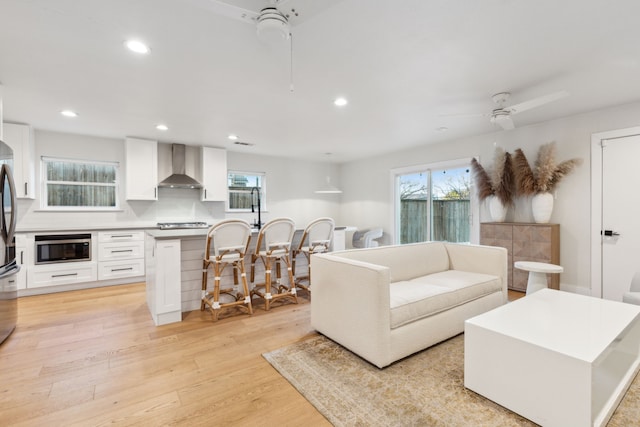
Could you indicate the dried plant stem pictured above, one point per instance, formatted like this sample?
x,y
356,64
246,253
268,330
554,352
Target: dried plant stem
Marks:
x,y
505,188
546,175
525,180
498,169
482,179
562,170
545,166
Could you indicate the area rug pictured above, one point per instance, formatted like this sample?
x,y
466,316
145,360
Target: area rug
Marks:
x,y
426,389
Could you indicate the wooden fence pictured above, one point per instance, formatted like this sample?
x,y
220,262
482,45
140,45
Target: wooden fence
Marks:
x,y
450,220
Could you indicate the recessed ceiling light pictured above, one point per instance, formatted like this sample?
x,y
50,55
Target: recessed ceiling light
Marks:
x,y
137,46
162,127
340,102
442,129
233,137
69,113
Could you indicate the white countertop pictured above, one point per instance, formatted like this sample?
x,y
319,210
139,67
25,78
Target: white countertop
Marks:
x,y
85,227
185,233
178,233
151,227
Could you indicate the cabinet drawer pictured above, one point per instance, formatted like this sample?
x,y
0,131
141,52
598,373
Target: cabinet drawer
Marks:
x,y
120,236
124,268
126,250
38,278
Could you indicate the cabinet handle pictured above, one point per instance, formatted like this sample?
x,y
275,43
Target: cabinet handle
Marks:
x,y
12,281
205,193
155,192
118,236
26,188
64,275
122,250
21,257
122,269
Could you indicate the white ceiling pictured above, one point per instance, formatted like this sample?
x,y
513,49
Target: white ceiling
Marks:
x,y
404,65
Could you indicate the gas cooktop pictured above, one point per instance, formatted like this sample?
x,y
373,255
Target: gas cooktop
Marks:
x,y
174,225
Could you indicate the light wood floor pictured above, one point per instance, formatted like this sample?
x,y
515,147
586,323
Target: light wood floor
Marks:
x,y
94,357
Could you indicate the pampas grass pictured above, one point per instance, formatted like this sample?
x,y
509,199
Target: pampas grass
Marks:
x,y
505,190
483,181
546,175
562,170
525,180
499,181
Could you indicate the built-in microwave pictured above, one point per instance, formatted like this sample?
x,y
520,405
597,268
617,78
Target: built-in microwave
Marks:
x,y
51,248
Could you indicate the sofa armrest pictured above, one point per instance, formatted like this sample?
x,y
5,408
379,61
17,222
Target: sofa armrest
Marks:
x,y
350,304
480,259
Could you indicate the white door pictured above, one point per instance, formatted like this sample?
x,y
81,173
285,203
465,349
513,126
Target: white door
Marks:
x,y
620,215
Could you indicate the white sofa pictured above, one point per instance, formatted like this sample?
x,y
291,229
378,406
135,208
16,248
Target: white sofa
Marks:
x,y
388,302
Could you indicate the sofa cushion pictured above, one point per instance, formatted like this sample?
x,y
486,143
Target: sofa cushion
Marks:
x,y
425,296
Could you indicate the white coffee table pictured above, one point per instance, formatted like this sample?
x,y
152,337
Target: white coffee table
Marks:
x,y
556,358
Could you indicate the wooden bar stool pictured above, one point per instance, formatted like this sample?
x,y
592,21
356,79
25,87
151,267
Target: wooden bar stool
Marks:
x,y
274,248
229,240
316,239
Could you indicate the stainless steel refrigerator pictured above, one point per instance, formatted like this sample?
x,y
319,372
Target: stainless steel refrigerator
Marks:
x,y
8,267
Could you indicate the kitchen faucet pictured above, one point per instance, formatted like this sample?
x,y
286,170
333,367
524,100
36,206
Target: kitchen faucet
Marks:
x,y
253,206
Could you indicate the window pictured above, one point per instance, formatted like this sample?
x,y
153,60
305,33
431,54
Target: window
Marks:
x,y
433,202
246,189
79,184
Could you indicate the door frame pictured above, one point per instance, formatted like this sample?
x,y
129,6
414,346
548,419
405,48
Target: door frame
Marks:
x,y
597,140
474,209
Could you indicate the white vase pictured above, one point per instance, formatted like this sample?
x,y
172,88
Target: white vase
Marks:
x,y
542,206
497,210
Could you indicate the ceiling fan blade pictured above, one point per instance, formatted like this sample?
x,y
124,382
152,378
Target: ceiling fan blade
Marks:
x,y
230,11
463,115
503,120
536,102
282,3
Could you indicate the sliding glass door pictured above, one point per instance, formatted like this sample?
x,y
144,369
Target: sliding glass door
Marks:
x,y
433,203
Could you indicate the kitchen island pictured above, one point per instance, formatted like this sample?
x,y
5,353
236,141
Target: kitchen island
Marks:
x,y
174,270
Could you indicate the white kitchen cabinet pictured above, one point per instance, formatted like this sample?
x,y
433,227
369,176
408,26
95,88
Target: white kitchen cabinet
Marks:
x,y
120,254
20,139
163,280
62,274
213,168
119,236
141,156
119,269
21,260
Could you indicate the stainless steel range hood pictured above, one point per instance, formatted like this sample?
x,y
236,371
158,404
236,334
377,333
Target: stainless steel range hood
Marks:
x,y
178,177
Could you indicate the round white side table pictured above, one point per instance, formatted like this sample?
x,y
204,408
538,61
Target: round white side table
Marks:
x,y
537,273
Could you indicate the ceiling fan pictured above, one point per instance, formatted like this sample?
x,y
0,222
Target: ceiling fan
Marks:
x,y
273,20
501,115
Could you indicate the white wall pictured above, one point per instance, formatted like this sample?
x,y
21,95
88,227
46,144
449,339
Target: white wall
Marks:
x,y
366,183
290,189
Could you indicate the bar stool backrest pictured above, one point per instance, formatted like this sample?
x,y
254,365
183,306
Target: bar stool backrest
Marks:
x,y
229,237
319,234
277,235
